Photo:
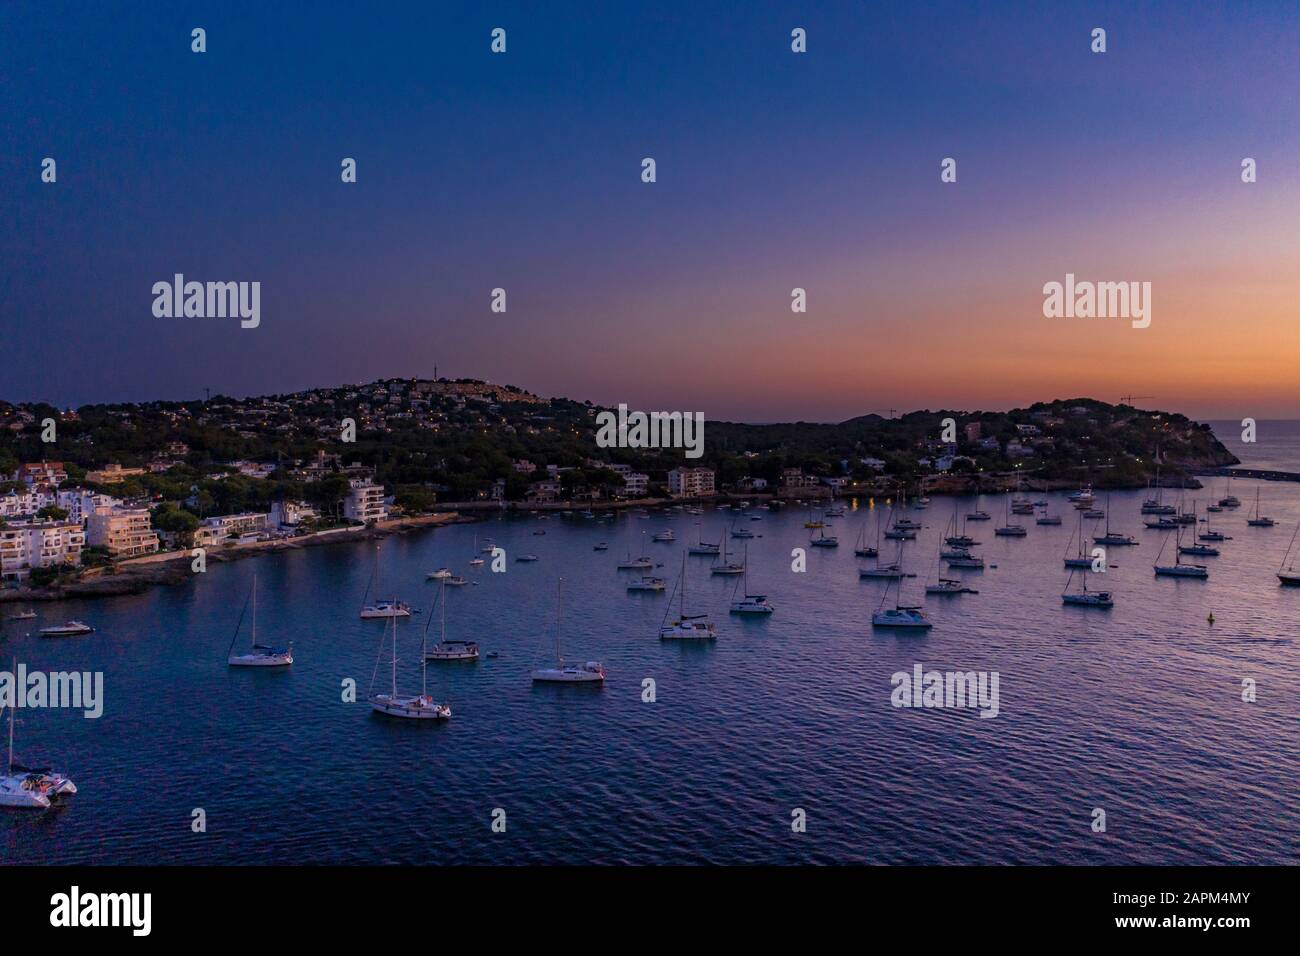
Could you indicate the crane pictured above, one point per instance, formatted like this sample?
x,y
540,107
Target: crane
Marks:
x,y
1128,399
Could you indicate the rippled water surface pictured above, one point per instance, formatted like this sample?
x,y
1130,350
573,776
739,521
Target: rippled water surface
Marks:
x,y
1136,710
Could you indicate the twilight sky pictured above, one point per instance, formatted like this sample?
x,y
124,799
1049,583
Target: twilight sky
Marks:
x,y
775,170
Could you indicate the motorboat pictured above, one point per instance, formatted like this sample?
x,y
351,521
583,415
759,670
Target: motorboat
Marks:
x,y
69,629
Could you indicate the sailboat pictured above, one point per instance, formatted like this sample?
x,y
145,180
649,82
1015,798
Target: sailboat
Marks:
x,y
1195,549
1010,530
1286,571
30,787
475,561
446,650
900,616
1178,569
687,627
1209,534
1259,521
823,540
1079,560
1085,598
381,609
562,673
261,655
1115,538
643,563
864,550
701,546
751,603
727,567
406,706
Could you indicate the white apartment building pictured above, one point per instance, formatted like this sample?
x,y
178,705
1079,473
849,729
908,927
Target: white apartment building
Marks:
x,y
290,514
635,484
233,526
124,530
43,544
365,501
78,503
690,482
15,505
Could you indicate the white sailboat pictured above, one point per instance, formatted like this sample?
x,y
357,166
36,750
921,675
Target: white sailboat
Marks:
x,y
260,655
475,561
687,627
751,603
1079,560
381,610
1197,549
446,650
30,787
562,673
406,706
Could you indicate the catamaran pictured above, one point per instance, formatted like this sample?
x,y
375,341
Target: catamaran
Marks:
x,y
446,650
30,787
750,603
900,616
687,627
261,655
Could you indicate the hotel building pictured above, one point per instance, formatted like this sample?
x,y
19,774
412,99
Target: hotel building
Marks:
x,y
690,482
123,530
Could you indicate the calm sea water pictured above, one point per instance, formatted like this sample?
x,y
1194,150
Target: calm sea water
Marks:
x,y
1276,444
1137,710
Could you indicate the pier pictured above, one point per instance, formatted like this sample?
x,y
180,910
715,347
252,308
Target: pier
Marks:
x,y
1263,474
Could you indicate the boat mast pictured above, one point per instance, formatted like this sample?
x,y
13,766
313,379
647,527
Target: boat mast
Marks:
x,y
559,609
254,610
394,620
13,705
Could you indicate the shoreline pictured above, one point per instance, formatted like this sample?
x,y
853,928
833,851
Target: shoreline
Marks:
x,y
137,575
